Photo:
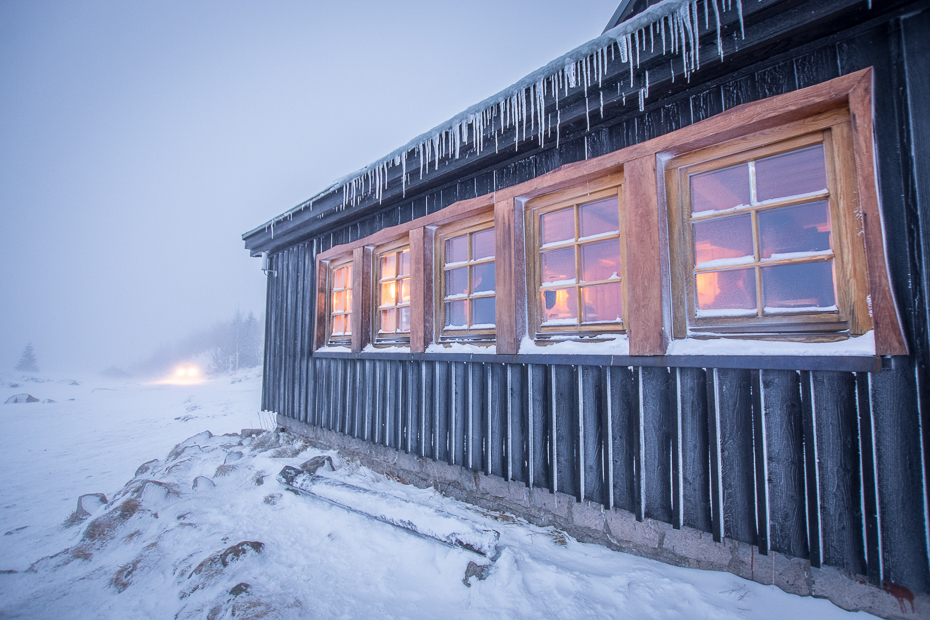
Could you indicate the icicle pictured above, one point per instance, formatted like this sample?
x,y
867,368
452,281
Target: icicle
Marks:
x,y
739,11
558,128
719,37
587,115
602,102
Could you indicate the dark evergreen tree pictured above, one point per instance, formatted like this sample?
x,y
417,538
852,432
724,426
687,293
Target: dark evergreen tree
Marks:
x,y
27,363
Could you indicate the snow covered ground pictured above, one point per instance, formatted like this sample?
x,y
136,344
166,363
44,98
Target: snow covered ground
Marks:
x,y
245,547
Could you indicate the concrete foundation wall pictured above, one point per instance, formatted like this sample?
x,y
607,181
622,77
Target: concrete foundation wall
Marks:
x,y
619,529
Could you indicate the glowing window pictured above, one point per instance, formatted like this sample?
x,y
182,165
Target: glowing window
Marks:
x,y
577,277
340,303
766,239
393,293
467,288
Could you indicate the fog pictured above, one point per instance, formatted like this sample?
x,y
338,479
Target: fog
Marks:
x,y
139,140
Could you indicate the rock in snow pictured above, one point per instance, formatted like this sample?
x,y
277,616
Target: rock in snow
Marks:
x,y
21,398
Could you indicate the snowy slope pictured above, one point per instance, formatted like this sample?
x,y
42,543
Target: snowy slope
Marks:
x,y
162,549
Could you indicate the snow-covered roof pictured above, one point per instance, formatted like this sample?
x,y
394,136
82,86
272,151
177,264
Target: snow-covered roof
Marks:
x,y
672,25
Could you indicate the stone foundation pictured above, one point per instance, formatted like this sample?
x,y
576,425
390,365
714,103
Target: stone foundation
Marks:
x,y
619,529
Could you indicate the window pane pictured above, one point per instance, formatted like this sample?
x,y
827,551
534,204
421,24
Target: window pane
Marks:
x,y
404,268
348,276
558,265
805,285
455,315
720,189
404,325
482,278
727,290
457,281
792,173
599,217
388,294
560,307
457,249
603,302
338,303
404,290
600,261
482,312
790,230
388,321
723,241
339,278
482,244
348,329
388,266
348,294
339,325
557,226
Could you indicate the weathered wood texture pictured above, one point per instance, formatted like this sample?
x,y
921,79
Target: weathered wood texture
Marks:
x,y
831,466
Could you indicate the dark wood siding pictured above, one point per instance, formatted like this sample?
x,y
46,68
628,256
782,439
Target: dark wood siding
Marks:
x,y
822,464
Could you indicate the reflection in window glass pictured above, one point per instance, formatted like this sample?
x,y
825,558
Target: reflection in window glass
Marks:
x,y
599,218
340,324
783,243
560,306
557,226
789,231
724,240
602,303
394,289
580,282
468,274
727,290
796,172
800,286
720,189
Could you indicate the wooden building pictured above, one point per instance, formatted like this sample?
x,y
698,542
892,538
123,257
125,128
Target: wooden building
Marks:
x,y
673,283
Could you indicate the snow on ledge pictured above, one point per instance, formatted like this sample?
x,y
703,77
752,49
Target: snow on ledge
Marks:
x,y
461,347
606,345
859,345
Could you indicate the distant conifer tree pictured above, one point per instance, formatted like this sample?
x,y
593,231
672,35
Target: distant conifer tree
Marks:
x,y
27,363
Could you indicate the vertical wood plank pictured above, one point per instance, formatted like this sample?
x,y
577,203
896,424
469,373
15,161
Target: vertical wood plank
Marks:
x,y
459,415
713,433
441,395
566,444
421,288
784,436
510,274
517,418
761,477
644,275
695,449
737,472
869,481
476,401
808,413
623,396
838,460
592,434
538,426
496,388
896,422
658,424
361,298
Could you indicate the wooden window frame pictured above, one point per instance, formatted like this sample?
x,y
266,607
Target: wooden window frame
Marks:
x,y
650,313
466,226
573,197
398,338
342,340
832,130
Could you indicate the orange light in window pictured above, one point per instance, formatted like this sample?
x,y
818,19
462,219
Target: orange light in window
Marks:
x,y
707,289
393,293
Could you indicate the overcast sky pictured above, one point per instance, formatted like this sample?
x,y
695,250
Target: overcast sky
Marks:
x,y
140,139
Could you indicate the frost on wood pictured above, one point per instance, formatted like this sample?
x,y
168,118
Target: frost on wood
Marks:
x,y
530,107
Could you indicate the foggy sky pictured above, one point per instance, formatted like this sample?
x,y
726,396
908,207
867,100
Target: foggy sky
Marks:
x,y
140,139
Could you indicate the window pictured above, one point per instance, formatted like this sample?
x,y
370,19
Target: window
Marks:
x,y
466,304
340,304
577,251
392,315
762,238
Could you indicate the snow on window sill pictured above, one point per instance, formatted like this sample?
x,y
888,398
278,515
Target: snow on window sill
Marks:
x,y
461,347
608,344
858,345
